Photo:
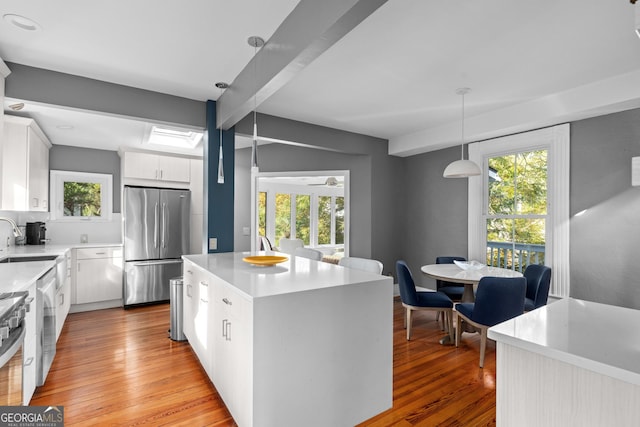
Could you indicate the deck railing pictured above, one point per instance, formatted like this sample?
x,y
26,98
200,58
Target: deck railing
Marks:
x,y
514,256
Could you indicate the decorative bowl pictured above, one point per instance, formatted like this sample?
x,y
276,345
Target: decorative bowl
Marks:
x,y
469,265
265,260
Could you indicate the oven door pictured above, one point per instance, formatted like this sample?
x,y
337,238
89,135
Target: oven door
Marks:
x,y
11,368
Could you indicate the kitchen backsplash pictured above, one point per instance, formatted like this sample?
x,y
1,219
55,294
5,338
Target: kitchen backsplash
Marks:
x,y
63,232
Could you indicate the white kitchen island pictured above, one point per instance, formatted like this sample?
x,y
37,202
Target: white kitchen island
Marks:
x,y
570,363
299,343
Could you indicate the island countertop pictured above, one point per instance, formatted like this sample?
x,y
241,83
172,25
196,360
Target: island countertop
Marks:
x,y
297,274
601,338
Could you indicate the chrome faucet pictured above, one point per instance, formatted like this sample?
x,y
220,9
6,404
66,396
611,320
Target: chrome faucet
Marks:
x,y
14,226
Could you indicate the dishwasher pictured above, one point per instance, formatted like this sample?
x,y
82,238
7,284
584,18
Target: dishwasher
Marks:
x,y
45,324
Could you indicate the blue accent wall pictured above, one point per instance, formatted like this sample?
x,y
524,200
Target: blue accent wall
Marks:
x,y
219,197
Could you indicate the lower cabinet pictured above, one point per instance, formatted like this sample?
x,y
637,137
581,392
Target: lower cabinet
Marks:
x,y
63,295
196,326
216,323
230,339
98,275
29,349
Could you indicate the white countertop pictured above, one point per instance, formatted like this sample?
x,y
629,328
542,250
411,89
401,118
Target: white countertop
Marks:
x,y
598,337
18,276
294,275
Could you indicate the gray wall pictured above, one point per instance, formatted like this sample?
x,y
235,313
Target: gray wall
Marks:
x,y
374,177
605,262
434,212
76,159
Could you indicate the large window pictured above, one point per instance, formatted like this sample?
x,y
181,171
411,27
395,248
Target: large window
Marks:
x,y
519,208
80,196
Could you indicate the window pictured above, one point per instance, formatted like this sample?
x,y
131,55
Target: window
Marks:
x,y
516,209
306,206
80,196
519,209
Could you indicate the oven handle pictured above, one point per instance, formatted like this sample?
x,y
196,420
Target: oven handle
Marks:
x,y
15,341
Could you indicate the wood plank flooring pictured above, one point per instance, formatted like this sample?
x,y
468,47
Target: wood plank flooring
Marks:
x,y
118,367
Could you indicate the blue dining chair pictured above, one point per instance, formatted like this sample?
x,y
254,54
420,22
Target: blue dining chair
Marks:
x,y
538,283
497,299
414,300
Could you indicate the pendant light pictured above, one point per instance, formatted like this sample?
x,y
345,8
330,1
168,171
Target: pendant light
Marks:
x,y
462,168
256,42
222,86
220,162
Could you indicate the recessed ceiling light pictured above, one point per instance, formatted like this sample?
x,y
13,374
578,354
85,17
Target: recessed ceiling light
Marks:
x,y
22,22
65,127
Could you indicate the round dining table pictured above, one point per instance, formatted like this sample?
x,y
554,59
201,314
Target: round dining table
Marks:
x,y
469,278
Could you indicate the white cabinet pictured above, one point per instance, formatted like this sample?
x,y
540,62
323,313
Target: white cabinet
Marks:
x,y
63,294
98,275
29,349
155,167
196,326
25,166
231,340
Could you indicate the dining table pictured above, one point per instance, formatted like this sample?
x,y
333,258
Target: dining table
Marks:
x,y
469,278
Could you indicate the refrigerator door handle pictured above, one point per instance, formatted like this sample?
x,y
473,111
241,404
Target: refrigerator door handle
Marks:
x,y
156,262
155,228
164,225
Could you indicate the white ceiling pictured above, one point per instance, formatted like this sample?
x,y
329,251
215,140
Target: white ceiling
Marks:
x,y
529,64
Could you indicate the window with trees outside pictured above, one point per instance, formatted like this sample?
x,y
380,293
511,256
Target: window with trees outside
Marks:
x,y
80,196
303,208
519,206
517,209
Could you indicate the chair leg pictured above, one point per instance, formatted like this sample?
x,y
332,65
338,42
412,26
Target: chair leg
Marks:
x,y
450,324
408,322
483,345
458,329
404,318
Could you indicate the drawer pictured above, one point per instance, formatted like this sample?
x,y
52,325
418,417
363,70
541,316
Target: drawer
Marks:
x,y
104,252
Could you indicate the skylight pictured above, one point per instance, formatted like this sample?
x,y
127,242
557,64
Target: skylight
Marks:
x,y
174,137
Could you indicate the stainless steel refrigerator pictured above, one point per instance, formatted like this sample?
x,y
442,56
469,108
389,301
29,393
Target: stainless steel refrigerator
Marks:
x,y
156,235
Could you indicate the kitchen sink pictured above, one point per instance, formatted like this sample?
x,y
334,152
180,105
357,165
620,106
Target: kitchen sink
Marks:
x,y
28,258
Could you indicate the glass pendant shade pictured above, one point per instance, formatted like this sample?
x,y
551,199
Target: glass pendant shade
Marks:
x,y
220,162
462,168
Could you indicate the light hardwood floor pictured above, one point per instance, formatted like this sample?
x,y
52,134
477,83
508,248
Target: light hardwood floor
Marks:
x,y
118,367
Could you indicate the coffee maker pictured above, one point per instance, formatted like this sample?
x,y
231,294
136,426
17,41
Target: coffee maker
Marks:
x,y
36,233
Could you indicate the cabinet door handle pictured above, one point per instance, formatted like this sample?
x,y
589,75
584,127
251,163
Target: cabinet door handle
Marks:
x,y
188,291
61,299
226,301
228,331
35,202
160,173
78,267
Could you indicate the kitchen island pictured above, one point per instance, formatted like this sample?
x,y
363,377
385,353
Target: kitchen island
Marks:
x,y
298,343
570,363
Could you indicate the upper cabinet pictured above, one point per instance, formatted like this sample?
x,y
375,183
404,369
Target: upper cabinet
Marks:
x,y
156,168
25,166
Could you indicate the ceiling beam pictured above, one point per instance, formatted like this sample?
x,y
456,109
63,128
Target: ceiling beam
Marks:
x,y
309,30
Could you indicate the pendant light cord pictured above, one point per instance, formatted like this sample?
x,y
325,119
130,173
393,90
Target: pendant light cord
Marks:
x,y
462,142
